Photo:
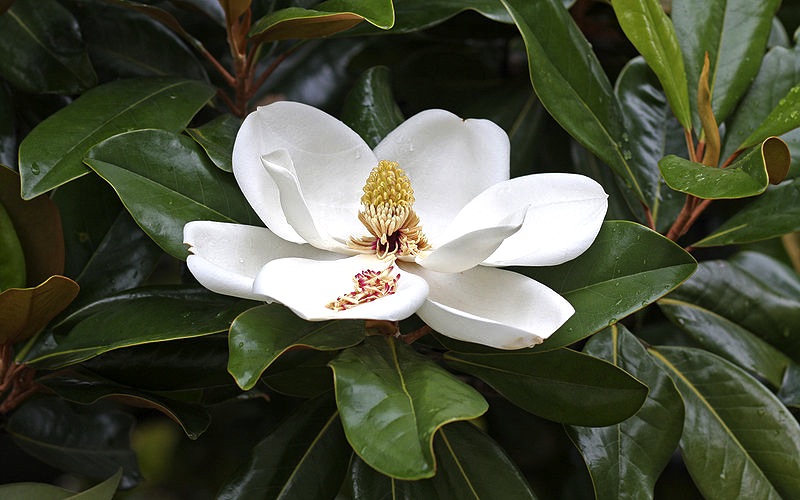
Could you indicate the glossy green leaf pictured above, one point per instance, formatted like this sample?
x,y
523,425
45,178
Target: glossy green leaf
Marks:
x,y
627,267
216,138
306,456
727,339
572,85
25,311
392,400
325,19
774,213
12,266
131,322
106,490
41,491
562,385
748,291
302,373
42,50
370,108
472,465
8,133
84,389
738,440
52,154
789,393
748,176
650,30
734,33
85,441
416,15
166,180
629,456
368,484
260,335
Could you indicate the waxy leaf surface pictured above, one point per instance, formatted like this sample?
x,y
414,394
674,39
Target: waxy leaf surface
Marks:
x,y
216,137
370,109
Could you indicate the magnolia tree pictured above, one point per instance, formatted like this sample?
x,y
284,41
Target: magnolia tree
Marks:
x,y
279,249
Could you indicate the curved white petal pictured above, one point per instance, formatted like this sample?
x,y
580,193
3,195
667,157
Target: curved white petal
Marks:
x,y
564,214
492,307
227,257
306,286
448,160
330,161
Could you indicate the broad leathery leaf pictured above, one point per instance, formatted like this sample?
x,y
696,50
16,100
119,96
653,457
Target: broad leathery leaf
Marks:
x,y
8,132
416,15
164,17
789,393
301,373
25,311
41,491
774,213
166,180
323,20
42,50
728,340
747,176
627,267
83,440
572,85
136,321
653,132
650,30
738,440
754,291
369,484
306,456
734,34
370,108
783,118
562,385
87,389
392,400
52,153
106,490
629,456
262,334
216,138
12,266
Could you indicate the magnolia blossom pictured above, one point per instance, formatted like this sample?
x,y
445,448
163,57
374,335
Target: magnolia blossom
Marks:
x,y
421,224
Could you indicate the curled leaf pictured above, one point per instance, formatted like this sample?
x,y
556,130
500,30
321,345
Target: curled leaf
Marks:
x,y
25,311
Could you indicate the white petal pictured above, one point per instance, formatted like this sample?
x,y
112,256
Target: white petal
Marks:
x,y
305,286
331,163
492,307
227,257
448,160
564,215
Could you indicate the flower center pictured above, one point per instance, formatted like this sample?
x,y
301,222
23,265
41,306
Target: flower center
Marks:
x,y
369,285
387,213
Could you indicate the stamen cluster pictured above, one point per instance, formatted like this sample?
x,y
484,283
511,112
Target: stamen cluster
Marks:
x,y
369,285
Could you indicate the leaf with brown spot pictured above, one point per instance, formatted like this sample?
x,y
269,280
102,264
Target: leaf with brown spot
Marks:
x,y
25,311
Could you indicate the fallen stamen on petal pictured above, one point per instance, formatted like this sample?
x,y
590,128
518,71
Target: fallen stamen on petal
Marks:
x,y
369,285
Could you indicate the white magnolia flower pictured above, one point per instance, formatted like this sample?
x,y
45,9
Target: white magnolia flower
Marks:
x,y
419,225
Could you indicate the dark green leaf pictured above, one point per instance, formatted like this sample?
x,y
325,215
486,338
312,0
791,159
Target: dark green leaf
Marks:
x,y
52,154
738,440
306,456
629,457
166,180
39,491
562,385
216,137
415,15
8,136
790,387
106,490
369,108
260,335
80,440
392,400
627,267
12,266
301,373
369,484
42,50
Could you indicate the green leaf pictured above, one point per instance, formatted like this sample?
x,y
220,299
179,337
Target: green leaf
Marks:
x,y
216,138
52,154
734,33
727,339
562,385
627,267
572,85
370,108
748,175
416,15
42,50
630,455
303,373
166,180
262,334
306,456
39,491
103,491
738,440
12,266
392,400
774,213
473,465
650,30
8,133
369,484
324,20
85,441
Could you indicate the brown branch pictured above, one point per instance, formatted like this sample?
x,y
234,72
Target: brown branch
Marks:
x,y
412,337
